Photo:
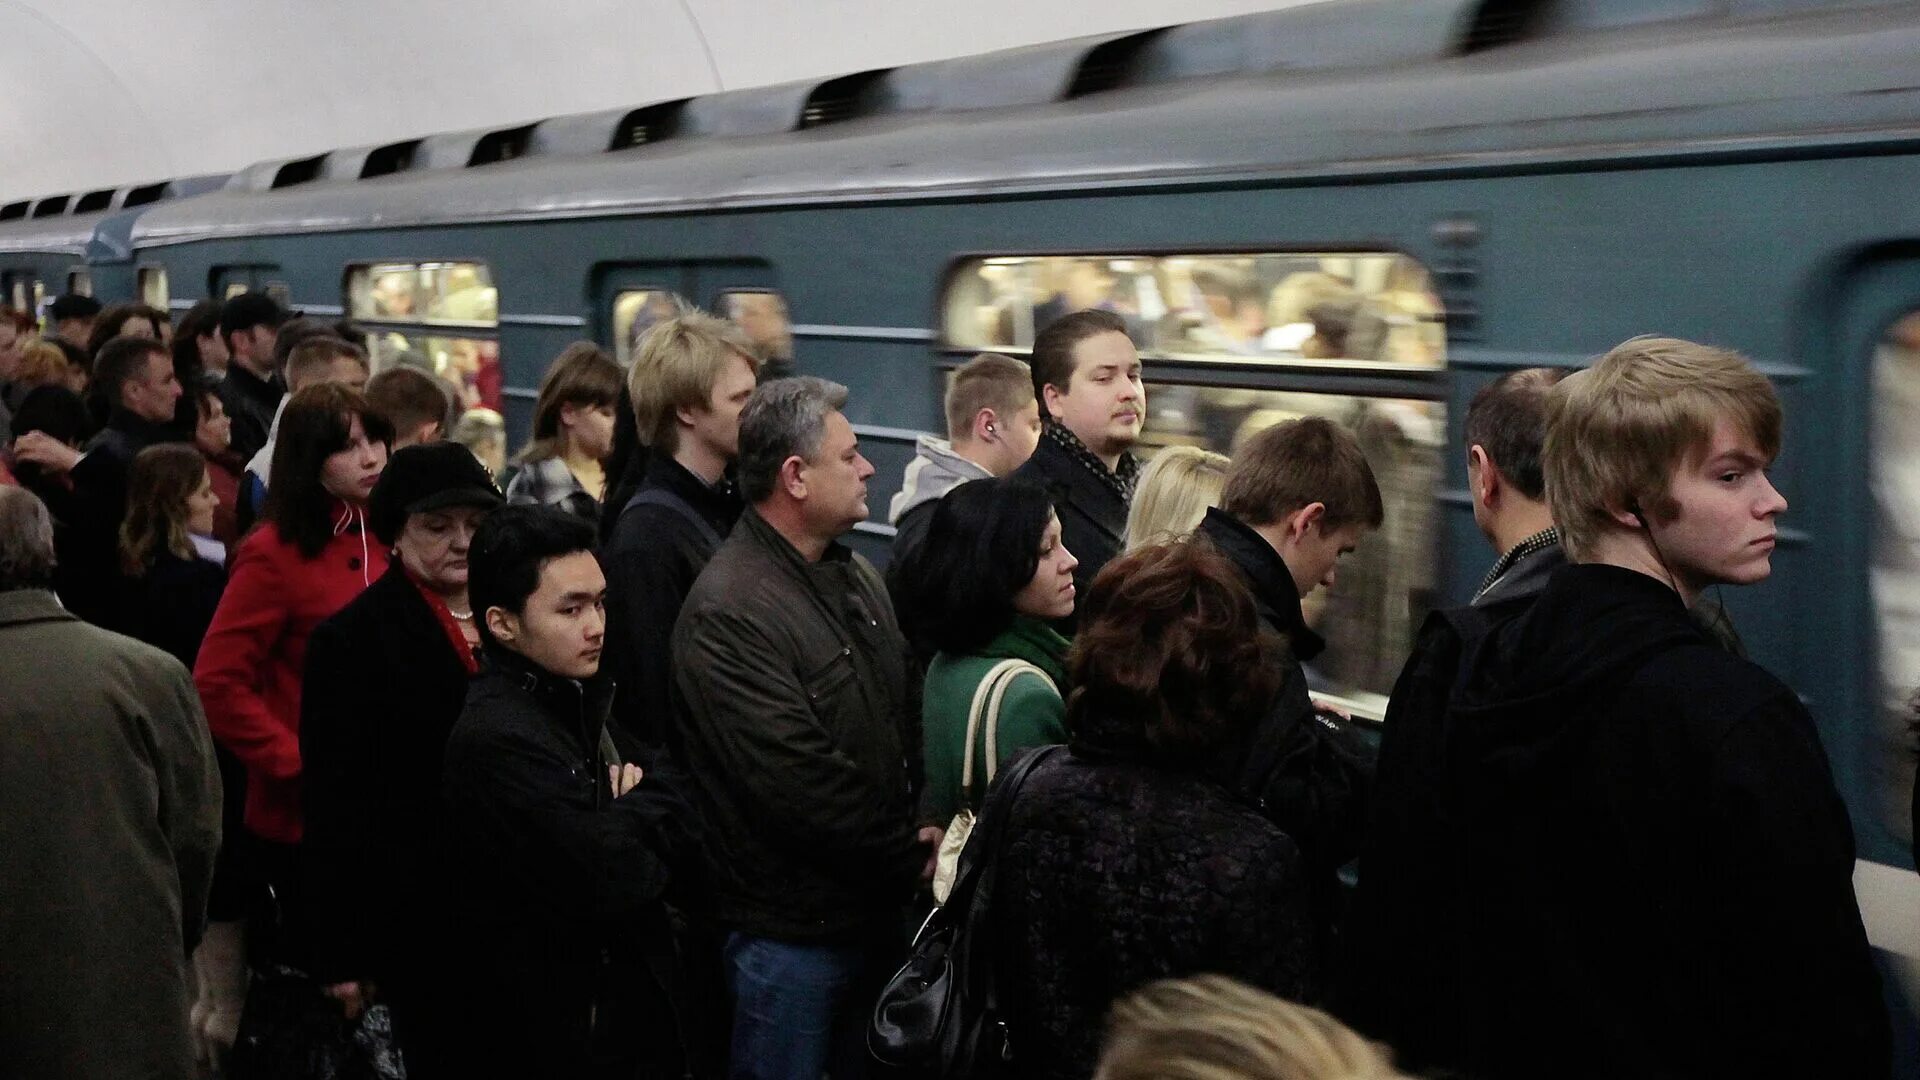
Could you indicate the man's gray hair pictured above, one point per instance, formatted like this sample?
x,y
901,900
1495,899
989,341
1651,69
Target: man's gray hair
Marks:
x,y
784,418
26,541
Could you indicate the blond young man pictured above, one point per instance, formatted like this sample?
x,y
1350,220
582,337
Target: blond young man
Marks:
x,y
691,376
1644,868
993,424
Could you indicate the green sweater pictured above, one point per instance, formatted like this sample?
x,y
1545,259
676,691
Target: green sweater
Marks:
x,y
1031,712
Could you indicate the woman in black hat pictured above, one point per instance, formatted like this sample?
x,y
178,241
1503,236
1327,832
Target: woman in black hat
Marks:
x,y
385,680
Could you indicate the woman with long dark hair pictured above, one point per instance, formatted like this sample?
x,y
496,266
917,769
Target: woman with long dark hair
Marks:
x,y
173,566
310,554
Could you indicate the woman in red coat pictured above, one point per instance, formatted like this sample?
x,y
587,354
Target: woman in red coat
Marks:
x,y
310,554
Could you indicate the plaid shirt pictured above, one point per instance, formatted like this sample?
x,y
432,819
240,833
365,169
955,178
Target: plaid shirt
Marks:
x,y
548,482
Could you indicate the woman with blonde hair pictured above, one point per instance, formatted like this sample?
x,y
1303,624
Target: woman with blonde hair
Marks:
x,y
573,420
1173,494
1213,1028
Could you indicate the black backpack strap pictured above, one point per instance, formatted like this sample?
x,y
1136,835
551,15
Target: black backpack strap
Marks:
x,y
659,496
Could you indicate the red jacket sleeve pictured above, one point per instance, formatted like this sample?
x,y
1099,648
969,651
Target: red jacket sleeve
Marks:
x,y
247,627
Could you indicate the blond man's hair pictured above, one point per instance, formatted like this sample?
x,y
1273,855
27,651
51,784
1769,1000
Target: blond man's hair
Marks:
x,y
1617,431
675,366
1173,494
988,381
1213,1028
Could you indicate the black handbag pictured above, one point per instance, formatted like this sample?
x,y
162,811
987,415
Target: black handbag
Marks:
x,y
939,1016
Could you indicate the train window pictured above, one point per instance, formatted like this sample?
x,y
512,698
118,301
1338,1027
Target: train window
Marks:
x,y
235,288
79,283
762,314
280,293
17,296
153,287
635,311
1295,308
1895,537
1388,584
435,293
470,366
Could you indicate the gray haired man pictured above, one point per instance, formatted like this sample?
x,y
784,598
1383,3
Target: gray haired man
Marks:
x,y
798,711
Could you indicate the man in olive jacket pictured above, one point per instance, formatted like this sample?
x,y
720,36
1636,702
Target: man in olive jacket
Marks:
x,y
798,714
109,820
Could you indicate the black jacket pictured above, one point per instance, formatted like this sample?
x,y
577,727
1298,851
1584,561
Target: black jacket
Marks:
x,y
171,605
382,689
97,509
798,715
1119,870
1646,866
652,560
250,402
556,889
1525,579
1093,516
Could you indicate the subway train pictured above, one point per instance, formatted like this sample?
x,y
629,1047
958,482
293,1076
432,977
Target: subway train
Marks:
x,y
1360,208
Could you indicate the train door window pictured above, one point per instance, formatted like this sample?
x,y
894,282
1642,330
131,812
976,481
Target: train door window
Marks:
x,y
153,287
19,294
635,311
1283,335
762,314
79,283
280,293
234,288
441,317
1894,574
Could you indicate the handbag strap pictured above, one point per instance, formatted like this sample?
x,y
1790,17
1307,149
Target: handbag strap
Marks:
x,y
986,703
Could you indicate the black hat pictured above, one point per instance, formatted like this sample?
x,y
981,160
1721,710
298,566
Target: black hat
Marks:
x,y
251,309
72,306
431,476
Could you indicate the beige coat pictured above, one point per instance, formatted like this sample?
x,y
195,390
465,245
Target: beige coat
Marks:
x,y
109,820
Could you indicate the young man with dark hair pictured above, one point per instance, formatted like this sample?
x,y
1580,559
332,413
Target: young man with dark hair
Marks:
x,y
993,424
72,317
1505,430
1299,496
1086,377
561,854
1636,844
252,389
798,714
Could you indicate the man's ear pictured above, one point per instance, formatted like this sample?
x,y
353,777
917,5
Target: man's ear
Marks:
x,y
1051,396
1304,519
502,624
1482,475
793,477
986,426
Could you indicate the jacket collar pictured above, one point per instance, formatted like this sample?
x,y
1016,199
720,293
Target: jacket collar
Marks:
x,y
266,391
1267,574
1120,479
1523,571
1035,642
768,537
580,708
139,429
18,606
718,503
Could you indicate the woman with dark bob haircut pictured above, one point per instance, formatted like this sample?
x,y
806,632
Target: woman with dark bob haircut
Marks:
x,y
1124,863
982,587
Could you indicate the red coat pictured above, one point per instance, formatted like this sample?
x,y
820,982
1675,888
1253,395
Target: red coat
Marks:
x,y
250,664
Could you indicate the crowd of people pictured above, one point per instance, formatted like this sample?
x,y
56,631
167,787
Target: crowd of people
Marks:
x,y
616,761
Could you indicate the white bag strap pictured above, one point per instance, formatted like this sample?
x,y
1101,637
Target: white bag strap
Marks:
x,y
986,701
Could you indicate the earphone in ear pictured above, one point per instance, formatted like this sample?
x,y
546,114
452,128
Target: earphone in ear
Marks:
x,y
990,430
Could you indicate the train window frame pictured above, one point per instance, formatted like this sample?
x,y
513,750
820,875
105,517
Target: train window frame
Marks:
x,y
79,281
144,278
965,268
358,286
279,292
625,345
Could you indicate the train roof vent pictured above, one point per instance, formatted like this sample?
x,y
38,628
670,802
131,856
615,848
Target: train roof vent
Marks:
x,y
51,206
759,110
1498,23
145,194
648,124
503,145
841,99
298,171
1110,65
94,201
14,211
1310,37
389,159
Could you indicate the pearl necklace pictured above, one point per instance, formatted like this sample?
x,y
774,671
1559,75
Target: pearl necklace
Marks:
x,y
463,616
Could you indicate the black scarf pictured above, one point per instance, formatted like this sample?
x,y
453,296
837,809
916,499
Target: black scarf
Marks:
x,y
1121,479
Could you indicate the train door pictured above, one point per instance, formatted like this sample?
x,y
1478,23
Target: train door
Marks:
x,y
80,281
227,282
633,297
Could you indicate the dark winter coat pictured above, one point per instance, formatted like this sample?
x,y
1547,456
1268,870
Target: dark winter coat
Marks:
x,y
652,559
1646,869
250,402
109,820
798,714
1093,516
172,604
383,689
91,558
556,889
1119,871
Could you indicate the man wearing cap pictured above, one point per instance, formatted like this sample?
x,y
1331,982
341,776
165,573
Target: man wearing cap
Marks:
x,y
251,390
385,680
72,317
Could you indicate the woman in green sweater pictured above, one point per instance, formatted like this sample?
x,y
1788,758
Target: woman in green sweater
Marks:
x,y
991,575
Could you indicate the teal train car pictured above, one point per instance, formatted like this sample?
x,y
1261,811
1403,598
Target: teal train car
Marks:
x,y
1360,209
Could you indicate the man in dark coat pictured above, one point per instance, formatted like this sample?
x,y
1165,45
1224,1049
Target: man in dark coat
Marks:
x,y
1648,868
1086,375
798,715
251,389
386,677
561,856
109,821
1298,497
688,383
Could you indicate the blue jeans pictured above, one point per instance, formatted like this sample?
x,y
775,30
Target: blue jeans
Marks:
x,y
801,1010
